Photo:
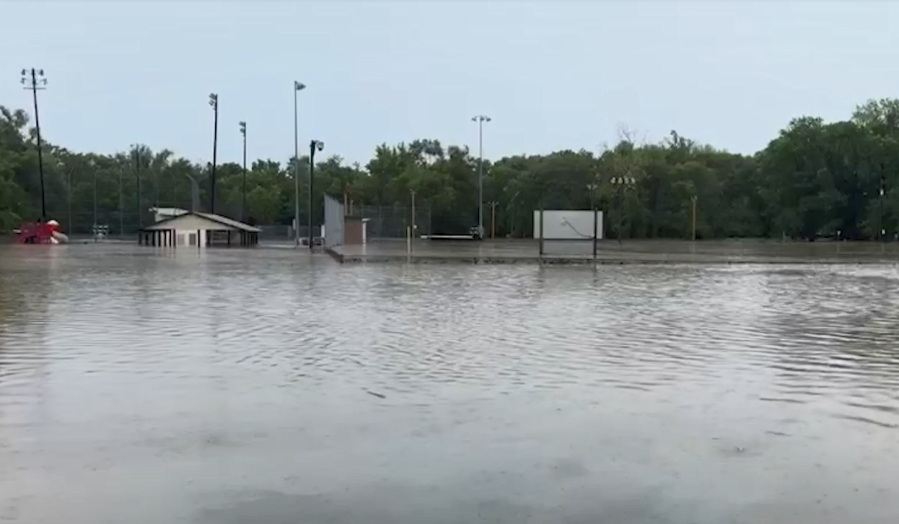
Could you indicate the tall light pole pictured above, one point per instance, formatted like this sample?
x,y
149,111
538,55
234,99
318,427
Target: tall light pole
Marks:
x,y
243,184
37,81
297,87
313,146
480,119
121,207
214,103
94,169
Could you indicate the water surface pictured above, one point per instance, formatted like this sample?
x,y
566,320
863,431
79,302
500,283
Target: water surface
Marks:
x,y
234,386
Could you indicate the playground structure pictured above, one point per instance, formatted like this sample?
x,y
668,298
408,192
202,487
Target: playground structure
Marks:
x,y
40,233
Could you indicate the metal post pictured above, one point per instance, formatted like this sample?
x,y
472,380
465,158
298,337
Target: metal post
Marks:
x,y
40,155
215,138
296,171
140,215
592,188
95,201
493,220
297,86
694,198
882,229
413,210
243,184
481,177
156,188
541,230
620,211
121,208
480,119
312,146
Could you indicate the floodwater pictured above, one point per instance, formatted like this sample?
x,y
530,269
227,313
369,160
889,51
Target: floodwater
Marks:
x,y
266,386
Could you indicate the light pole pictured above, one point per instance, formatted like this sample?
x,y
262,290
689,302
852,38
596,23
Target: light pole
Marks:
x,y
140,215
297,87
243,184
94,169
480,119
37,81
214,103
121,207
622,182
314,145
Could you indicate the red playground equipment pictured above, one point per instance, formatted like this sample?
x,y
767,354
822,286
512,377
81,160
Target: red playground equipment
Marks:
x,y
40,233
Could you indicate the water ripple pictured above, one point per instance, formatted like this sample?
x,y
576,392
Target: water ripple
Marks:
x,y
130,341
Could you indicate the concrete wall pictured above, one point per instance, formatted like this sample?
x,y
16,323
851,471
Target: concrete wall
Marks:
x,y
567,224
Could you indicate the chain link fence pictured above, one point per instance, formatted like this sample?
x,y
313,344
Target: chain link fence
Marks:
x,y
391,222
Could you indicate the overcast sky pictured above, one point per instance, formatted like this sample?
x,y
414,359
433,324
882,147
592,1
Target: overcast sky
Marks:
x,y
552,75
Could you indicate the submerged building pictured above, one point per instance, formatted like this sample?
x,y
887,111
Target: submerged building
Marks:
x,y
195,229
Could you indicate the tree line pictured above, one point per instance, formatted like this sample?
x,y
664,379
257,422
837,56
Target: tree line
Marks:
x,y
814,179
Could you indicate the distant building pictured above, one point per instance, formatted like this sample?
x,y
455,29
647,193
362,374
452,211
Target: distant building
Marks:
x,y
200,230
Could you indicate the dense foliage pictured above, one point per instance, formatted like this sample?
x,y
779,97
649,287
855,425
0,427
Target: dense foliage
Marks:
x,y
814,179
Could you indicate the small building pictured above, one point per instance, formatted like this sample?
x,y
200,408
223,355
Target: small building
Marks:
x,y
197,229
342,228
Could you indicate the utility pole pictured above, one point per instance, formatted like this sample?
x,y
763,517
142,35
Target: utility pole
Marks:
x,y
37,82
214,102
243,184
313,146
297,87
480,119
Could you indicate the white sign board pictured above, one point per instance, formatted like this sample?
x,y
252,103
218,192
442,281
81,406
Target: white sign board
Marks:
x,y
567,225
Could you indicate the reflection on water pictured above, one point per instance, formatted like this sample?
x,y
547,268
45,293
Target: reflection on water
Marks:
x,y
270,387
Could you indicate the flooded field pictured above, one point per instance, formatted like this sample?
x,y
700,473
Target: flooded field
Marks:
x,y
267,386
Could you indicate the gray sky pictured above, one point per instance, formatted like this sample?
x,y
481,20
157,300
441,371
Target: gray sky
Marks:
x,y
552,75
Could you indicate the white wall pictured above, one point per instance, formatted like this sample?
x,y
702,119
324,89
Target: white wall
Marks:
x,y
567,224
